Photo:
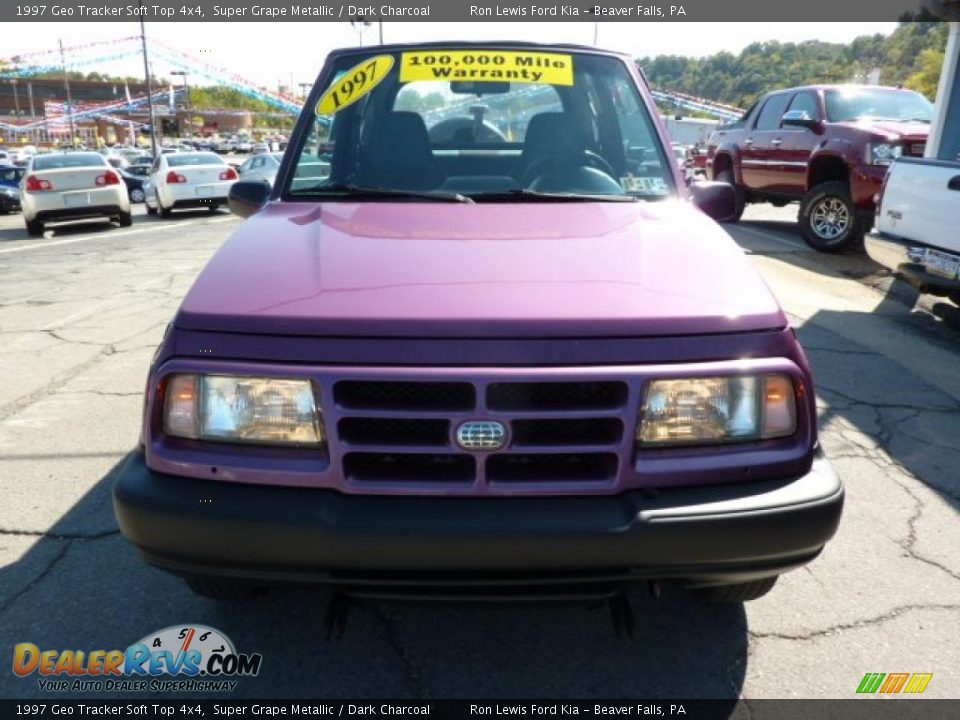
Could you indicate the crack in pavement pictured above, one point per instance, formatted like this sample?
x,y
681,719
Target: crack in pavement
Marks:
x,y
46,534
892,614
20,404
410,668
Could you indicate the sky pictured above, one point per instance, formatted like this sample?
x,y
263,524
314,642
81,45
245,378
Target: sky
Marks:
x,y
273,54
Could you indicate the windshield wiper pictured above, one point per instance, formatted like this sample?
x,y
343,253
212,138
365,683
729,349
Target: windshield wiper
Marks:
x,y
356,192
527,194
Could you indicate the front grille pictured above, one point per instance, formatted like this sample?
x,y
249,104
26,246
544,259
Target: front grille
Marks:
x,y
556,396
389,395
408,467
559,467
399,432
421,432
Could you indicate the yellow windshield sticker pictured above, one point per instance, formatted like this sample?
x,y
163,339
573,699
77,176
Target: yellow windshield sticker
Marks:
x,y
487,66
354,84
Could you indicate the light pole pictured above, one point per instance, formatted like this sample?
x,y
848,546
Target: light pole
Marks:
x,y
66,82
16,97
146,73
360,24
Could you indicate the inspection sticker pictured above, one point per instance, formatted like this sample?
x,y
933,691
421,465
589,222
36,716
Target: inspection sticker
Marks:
x,y
354,84
487,66
646,185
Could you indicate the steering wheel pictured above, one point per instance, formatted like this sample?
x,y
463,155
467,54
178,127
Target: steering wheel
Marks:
x,y
587,158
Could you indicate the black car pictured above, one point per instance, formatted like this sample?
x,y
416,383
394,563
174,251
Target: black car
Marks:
x,y
134,180
10,176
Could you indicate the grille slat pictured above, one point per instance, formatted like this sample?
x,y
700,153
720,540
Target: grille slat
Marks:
x,y
402,395
421,432
556,396
555,467
559,432
409,468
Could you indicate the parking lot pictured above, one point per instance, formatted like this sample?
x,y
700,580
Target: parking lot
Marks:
x,y
82,310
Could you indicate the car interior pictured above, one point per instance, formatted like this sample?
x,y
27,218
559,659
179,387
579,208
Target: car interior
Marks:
x,y
570,139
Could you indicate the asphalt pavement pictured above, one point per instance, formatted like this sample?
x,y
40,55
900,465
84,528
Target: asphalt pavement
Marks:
x,y
82,310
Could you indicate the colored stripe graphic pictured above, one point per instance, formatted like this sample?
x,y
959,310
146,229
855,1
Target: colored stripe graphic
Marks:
x,y
870,682
918,682
894,682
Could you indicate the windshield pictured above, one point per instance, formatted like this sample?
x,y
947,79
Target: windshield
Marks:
x,y
480,124
68,160
877,104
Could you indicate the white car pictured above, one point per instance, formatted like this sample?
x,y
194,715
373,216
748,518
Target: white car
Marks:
x,y
72,186
263,166
189,180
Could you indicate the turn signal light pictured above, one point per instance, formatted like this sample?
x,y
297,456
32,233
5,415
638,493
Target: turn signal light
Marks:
x,y
175,177
229,174
35,184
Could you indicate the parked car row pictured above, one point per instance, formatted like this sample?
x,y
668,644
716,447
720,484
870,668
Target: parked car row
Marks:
x,y
56,187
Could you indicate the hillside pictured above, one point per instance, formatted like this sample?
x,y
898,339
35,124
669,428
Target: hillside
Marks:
x,y
911,55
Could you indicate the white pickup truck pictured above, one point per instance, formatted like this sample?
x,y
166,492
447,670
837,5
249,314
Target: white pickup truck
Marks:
x,y
917,227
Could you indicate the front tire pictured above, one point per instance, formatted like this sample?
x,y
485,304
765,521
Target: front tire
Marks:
x,y
739,193
737,593
137,196
828,219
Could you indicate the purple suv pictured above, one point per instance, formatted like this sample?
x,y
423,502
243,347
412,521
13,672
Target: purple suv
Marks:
x,y
480,337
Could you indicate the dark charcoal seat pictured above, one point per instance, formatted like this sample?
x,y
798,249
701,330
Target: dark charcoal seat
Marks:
x,y
399,155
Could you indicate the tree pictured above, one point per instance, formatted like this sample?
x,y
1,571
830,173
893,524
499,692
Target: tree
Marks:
x,y
926,79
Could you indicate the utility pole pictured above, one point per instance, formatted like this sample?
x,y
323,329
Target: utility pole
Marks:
x,y
66,82
146,72
16,97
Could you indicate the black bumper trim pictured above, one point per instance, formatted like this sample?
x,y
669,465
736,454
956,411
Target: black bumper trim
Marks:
x,y
84,213
705,535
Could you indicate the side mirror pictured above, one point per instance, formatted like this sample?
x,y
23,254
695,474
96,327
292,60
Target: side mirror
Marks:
x,y
715,199
247,197
800,118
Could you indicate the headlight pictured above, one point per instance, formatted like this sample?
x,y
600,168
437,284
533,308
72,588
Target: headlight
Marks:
x,y
883,153
11,192
705,411
242,409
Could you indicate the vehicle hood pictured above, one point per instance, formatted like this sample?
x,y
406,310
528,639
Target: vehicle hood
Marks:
x,y
891,129
486,270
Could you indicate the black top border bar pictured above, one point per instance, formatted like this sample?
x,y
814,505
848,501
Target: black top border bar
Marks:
x,y
731,11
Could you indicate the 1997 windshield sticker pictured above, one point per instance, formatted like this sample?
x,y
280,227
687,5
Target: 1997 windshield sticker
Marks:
x,y
487,66
354,84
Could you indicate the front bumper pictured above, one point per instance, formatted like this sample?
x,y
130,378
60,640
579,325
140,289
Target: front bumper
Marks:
x,y
894,254
701,536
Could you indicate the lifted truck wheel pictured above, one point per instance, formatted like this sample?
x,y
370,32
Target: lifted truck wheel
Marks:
x,y
221,589
828,219
741,592
739,194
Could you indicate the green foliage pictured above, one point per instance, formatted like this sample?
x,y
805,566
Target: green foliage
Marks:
x,y
765,66
224,98
926,79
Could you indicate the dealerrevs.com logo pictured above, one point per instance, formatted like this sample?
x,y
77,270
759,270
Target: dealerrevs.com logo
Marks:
x,y
188,658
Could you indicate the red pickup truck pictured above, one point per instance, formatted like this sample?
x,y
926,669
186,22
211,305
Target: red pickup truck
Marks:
x,y
827,146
